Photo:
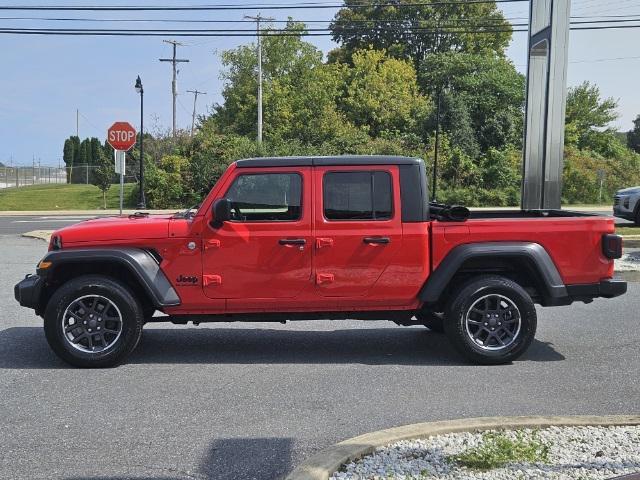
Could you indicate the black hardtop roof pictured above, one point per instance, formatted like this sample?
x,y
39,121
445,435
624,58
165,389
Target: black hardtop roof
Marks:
x,y
337,160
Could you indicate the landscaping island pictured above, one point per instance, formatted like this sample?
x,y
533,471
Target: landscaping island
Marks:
x,y
553,453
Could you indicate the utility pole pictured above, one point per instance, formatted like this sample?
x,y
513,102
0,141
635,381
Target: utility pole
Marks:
x,y
259,18
77,122
174,89
195,92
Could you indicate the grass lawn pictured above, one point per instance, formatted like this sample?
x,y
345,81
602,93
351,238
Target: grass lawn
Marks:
x,y
627,230
61,197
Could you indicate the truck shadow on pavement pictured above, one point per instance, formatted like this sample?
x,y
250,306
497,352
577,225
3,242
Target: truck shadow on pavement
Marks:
x,y
227,459
26,347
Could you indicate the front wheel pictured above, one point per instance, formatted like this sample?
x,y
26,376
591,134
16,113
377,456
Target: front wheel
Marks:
x,y
93,321
491,320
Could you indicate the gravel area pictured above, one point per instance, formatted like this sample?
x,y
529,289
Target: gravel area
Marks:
x,y
629,262
574,453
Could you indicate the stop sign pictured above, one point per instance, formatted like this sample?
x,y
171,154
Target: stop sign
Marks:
x,y
121,136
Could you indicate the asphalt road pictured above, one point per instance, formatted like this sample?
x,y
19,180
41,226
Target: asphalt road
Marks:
x,y
12,225
251,401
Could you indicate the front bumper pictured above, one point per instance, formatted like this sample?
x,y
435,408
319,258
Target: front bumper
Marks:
x,y
606,288
621,212
27,291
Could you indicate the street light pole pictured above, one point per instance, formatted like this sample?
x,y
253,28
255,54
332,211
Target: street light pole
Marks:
x,y
259,18
142,204
437,148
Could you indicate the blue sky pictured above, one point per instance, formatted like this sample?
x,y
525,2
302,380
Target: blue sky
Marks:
x,y
44,80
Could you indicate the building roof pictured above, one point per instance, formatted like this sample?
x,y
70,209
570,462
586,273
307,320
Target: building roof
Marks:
x,y
338,160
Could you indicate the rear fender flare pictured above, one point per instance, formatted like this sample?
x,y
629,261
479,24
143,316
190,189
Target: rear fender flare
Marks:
x,y
534,253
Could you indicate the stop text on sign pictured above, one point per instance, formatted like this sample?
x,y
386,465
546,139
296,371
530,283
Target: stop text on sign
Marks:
x,y
121,136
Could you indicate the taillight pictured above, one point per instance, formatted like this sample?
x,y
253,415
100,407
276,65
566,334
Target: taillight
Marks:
x,y
612,245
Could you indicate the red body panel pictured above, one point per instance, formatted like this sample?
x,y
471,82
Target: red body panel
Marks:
x,y
344,265
574,243
244,260
241,267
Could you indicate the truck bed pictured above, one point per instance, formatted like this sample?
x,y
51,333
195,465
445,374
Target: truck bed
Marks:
x,y
572,239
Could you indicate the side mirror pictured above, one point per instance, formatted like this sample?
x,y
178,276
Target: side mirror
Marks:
x,y
221,209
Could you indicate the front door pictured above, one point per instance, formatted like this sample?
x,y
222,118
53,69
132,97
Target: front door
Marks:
x,y
264,252
358,228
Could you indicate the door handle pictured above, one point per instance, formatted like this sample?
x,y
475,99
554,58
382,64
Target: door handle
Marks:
x,y
376,240
292,241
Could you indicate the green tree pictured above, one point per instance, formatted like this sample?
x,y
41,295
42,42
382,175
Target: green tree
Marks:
x,y
290,66
165,183
489,86
413,30
587,121
96,151
70,154
633,136
103,174
382,94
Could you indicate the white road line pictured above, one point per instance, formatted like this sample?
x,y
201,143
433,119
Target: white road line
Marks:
x,y
45,221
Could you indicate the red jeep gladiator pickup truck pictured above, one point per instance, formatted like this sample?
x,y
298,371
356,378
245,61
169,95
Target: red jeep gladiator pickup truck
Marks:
x,y
307,238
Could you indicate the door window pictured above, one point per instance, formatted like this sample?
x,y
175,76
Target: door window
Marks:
x,y
265,197
361,195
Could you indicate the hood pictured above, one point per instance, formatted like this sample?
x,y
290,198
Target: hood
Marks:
x,y
116,228
627,191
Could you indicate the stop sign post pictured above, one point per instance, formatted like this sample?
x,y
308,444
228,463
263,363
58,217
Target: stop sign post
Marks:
x,y
122,137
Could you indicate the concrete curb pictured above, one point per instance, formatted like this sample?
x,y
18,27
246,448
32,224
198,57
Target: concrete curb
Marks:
x,y
40,234
328,461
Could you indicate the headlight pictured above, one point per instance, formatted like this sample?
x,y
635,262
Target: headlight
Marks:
x,y
626,202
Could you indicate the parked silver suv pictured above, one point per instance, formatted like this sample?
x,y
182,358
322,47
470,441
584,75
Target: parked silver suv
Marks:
x,y
626,204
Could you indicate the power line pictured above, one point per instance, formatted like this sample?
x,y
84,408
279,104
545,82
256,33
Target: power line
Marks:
x,y
597,60
486,29
578,20
298,6
209,33
441,28
167,20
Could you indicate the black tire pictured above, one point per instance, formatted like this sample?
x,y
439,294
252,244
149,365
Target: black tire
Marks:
x,y
636,221
496,342
432,320
118,338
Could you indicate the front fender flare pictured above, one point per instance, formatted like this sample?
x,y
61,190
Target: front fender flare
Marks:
x,y
532,252
138,262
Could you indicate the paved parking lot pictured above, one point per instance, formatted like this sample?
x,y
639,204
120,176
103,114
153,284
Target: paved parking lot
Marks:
x,y
250,401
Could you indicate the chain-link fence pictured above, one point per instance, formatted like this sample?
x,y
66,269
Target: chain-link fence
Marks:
x,y
12,177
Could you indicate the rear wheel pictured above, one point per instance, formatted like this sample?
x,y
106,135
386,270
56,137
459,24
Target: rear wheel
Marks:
x,y
93,321
491,320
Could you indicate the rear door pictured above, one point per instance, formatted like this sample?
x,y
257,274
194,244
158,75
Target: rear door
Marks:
x,y
357,227
264,252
